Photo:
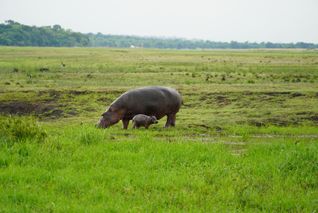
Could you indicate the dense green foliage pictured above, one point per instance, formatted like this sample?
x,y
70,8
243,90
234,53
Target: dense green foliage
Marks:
x,y
15,34
246,138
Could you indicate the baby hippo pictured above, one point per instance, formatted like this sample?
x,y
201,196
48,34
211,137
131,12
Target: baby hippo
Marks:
x,y
143,120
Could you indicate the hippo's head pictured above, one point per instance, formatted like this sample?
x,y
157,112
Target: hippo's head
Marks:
x,y
108,118
153,119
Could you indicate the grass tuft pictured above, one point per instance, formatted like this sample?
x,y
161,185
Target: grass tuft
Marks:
x,y
90,135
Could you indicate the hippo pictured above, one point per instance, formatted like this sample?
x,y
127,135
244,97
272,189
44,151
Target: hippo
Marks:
x,y
143,120
155,101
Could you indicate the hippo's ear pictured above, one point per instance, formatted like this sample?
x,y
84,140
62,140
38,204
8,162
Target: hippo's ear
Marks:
x,y
110,109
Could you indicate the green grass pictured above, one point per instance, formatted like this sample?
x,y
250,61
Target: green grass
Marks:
x,y
84,168
246,137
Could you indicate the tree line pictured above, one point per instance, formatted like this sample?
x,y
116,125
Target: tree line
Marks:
x,y
15,34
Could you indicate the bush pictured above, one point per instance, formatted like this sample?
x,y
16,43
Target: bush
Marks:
x,y
20,129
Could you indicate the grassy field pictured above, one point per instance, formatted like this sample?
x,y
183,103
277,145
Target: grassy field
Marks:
x,y
246,137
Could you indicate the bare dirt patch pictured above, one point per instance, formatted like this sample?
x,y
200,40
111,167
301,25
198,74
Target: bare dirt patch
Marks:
x,y
43,110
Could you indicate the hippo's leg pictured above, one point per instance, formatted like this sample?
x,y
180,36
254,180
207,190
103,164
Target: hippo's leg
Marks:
x,y
134,125
171,120
125,123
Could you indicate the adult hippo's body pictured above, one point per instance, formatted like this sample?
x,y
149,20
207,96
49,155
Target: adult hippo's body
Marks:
x,y
152,101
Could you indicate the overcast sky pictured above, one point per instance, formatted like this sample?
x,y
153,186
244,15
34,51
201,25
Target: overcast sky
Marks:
x,y
217,20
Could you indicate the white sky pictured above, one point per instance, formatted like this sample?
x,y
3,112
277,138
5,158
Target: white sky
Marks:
x,y
217,20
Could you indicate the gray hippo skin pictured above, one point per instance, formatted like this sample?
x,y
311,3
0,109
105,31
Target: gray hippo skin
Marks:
x,y
152,101
143,120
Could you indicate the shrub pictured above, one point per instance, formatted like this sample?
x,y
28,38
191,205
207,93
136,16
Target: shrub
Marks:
x,y
20,129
